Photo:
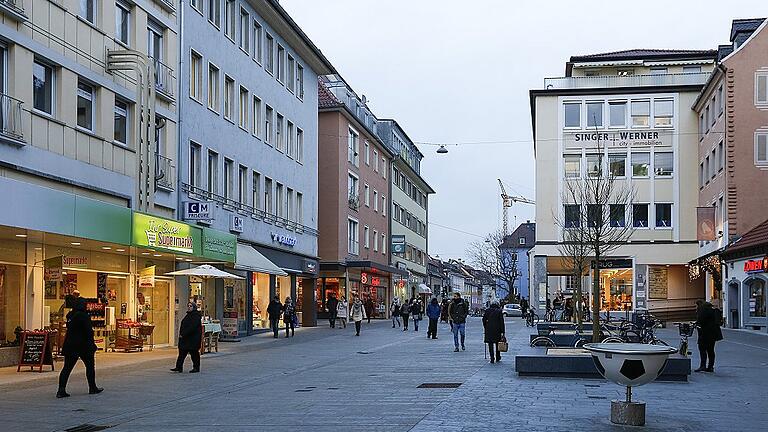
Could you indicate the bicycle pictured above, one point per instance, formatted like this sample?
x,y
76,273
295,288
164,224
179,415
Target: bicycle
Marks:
x,y
531,319
686,330
549,315
543,341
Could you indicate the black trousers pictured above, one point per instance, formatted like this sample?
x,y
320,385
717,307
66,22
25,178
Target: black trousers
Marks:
x,y
405,321
432,330
289,326
195,354
332,318
275,325
707,349
491,347
358,324
69,363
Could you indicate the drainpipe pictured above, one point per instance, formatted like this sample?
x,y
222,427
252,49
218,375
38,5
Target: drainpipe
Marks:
x,y
179,106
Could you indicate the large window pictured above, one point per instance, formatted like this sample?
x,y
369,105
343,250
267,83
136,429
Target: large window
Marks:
x,y
641,113
663,215
594,114
353,242
640,164
85,99
663,112
662,164
12,296
213,87
617,164
42,81
121,122
618,113
617,215
594,215
640,215
572,216
155,41
353,148
122,21
572,115
195,75
594,165
88,10
214,12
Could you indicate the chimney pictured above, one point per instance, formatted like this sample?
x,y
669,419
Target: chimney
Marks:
x,y
365,100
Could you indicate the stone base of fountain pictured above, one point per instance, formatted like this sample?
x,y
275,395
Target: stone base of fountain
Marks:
x,y
628,413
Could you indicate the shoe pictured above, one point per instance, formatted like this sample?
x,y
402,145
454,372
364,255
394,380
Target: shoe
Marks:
x,y
275,337
709,369
393,326
61,394
95,390
498,358
463,348
194,371
701,369
456,349
492,361
177,370
434,337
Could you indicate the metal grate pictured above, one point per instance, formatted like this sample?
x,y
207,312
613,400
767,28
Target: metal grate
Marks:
x,y
86,428
440,385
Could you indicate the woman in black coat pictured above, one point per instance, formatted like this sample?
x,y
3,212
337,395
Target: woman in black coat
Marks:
x,y
708,323
190,339
493,323
78,344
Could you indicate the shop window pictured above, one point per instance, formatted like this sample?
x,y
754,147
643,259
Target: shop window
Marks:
x,y
260,300
572,216
12,289
640,215
617,215
617,164
594,114
616,289
572,115
618,114
572,166
662,164
640,164
756,300
663,215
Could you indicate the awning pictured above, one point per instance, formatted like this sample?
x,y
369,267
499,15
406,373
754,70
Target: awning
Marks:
x,y
423,289
205,271
250,259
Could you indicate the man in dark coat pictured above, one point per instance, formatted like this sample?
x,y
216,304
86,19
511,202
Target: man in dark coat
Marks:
x,y
458,311
332,305
369,308
433,313
493,323
708,323
78,344
190,339
274,312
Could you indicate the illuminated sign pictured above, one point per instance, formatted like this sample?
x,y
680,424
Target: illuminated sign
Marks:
x,y
284,240
756,266
156,232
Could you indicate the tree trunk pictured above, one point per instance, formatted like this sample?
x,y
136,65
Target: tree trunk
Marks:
x,y
577,306
596,298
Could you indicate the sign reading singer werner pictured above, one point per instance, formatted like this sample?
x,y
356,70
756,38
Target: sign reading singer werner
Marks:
x,y
619,138
160,233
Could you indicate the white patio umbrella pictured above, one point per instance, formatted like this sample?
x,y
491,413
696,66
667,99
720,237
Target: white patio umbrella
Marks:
x,y
204,271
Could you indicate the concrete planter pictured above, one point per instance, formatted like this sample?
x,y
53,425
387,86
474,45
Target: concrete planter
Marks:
x,y
9,356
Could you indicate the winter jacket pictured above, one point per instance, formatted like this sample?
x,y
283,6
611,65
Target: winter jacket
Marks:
x,y
342,309
274,309
357,311
332,304
395,309
79,337
493,322
707,320
289,312
458,311
416,310
433,311
190,331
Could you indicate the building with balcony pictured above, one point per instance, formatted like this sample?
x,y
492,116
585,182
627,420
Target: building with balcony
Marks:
x,y
354,216
88,153
248,144
624,116
409,213
733,171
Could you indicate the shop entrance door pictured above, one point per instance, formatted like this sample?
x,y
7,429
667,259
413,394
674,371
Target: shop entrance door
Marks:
x,y
154,307
733,305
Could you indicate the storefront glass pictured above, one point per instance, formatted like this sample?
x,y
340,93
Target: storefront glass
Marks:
x,y
12,281
234,301
326,287
153,307
616,289
261,299
756,299
283,287
375,288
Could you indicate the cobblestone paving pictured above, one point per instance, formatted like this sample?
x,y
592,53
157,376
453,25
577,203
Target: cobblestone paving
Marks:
x,y
330,380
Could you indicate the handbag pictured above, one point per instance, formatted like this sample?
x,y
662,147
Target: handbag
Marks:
x,y
503,345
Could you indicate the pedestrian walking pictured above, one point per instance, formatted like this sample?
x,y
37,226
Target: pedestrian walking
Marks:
x,y
78,344
190,339
433,313
444,311
493,324
416,313
394,310
332,307
458,311
357,313
289,317
342,310
405,313
708,323
273,312
369,308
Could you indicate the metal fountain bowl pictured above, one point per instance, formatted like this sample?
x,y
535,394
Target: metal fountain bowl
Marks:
x,y
629,364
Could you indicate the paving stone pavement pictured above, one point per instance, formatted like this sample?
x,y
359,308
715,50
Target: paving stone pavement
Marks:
x,y
329,380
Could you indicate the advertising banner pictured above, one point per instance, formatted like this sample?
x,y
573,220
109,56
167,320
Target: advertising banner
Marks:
x,y
53,269
147,277
705,224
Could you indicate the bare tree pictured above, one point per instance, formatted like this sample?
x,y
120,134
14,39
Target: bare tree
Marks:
x,y
577,256
488,255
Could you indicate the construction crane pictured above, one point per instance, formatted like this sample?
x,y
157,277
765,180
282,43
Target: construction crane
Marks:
x,y
506,203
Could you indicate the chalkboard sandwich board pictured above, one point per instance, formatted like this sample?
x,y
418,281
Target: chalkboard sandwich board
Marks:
x,y
35,350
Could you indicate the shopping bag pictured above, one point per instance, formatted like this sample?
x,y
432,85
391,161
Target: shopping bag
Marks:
x,y
503,345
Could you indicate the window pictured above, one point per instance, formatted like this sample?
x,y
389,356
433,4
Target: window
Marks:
x,y
155,40
353,244
640,215
42,81
352,187
658,70
367,153
663,215
572,115
384,170
280,63
122,21
299,81
214,12
213,172
366,237
268,125
375,160
691,69
375,200
662,164
756,298
761,148
592,73
701,175
195,75
572,165
367,195
291,79
618,114
640,163
353,148
720,100
279,198
299,208
269,62
702,127
713,104
383,243
594,114
594,215
245,31
85,99
761,89
258,42
256,116
291,140
268,203
721,158
198,5
228,186
384,205
617,215
375,241
243,107
641,112
88,10
242,185
705,119
617,164
279,137
213,87
299,145
121,122
289,213
572,216
521,241
594,165
229,98
194,164
714,163
707,170
625,72
662,112
229,19
256,190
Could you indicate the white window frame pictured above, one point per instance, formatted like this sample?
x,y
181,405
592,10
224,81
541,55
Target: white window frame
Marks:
x,y
647,116
666,176
375,200
90,97
353,241
214,13
299,145
269,62
256,114
367,153
383,243
125,113
367,192
761,100
245,30
258,42
53,83
230,19
366,237
601,124
125,7
269,112
571,103
353,147
671,216
243,107
384,205
375,241
195,75
566,173
758,134
197,5
84,10
671,117
229,98
279,134
214,87
195,163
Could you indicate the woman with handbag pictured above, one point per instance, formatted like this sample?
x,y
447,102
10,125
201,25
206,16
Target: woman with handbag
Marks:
x,y
493,323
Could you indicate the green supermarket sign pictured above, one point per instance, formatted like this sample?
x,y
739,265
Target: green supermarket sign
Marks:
x,y
159,233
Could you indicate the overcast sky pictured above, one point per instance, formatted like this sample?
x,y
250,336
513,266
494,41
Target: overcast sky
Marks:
x,y
454,71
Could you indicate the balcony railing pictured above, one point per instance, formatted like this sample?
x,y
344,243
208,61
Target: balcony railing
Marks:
x,y
611,81
14,8
165,81
10,118
165,173
169,5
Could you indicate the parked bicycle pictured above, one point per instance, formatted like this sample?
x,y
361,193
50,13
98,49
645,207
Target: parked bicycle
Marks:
x,y
686,330
531,318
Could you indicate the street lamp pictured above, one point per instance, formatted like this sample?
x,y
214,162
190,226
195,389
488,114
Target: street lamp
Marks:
x,y
442,150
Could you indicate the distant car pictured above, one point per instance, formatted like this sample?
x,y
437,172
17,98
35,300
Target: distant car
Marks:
x,y
512,310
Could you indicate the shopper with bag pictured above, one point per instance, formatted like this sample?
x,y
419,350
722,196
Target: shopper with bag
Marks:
x,y
357,313
394,309
273,311
493,323
416,313
342,311
289,317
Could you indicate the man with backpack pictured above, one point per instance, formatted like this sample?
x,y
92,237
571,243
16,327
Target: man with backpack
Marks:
x,y
458,311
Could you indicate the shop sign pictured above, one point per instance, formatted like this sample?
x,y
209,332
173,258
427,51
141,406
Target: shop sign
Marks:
x,y
71,261
398,244
756,266
219,245
284,239
614,264
229,324
236,223
620,138
53,269
310,266
157,232
147,277
198,210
